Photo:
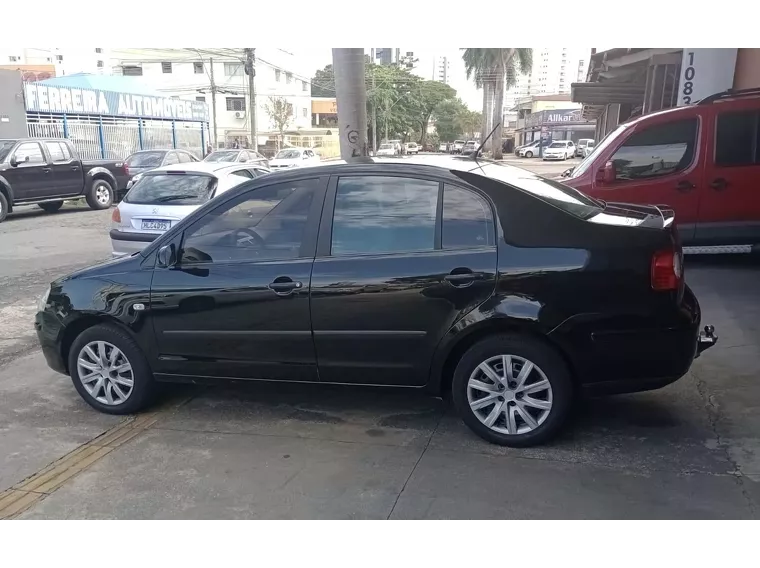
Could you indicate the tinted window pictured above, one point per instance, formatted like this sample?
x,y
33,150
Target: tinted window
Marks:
x,y
66,152
5,147
145,159
173,189
55,151
31,150
376,214
737,139
657,150
184,157
467,219
171,158
267,223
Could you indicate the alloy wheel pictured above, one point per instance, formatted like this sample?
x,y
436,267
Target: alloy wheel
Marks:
x,y
509,394
105,373
102,194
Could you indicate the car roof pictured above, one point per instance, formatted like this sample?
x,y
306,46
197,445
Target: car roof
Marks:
x,y
203,167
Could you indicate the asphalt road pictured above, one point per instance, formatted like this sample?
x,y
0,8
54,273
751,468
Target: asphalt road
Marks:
x,y
691,450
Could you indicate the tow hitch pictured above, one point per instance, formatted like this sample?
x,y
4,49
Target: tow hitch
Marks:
x,y
707,339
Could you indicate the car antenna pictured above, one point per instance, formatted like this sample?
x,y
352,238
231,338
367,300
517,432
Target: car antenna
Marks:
x,y
476,152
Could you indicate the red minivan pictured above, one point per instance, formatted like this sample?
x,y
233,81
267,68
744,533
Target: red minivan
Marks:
x,y
702,160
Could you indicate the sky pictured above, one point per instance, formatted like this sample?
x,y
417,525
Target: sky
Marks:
x,y
313,58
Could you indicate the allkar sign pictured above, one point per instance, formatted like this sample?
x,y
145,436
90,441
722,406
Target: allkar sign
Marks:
x,y
70,100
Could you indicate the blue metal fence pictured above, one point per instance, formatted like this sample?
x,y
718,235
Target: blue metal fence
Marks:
x,y
115,138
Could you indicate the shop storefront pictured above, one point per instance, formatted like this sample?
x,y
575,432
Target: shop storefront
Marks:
x,y
556,124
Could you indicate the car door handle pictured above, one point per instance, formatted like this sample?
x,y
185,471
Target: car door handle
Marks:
x,y
75,168
284,286
685,186
463,277
719,184
46,170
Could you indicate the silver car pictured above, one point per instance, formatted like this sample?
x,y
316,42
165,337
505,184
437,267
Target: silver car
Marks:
x,y
164,196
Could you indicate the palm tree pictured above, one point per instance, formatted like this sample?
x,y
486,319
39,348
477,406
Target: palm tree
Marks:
x,y
494,70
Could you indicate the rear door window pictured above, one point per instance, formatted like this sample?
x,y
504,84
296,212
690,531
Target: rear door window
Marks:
x,y
172,189
171,159
467,219
657,150
384,214
145,160
56,152
737,140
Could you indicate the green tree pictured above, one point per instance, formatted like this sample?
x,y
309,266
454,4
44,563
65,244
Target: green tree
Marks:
x,y
323,82
447,117
428,96
493,70
470,122
280,112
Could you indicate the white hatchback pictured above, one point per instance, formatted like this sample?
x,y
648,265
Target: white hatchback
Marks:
x,y
161,198
294,158
559,150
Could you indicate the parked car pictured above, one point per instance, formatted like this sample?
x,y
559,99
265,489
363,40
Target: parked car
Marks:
x,y
164,196
387,149
145,160
559,150
294,158
235,155
700,160
582,144
48,171
443,147
412,148
513,292
588,149
469,148
533,149
456,147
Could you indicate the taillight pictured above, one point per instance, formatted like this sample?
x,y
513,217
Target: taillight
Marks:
x,y
667,270
116,215
126,168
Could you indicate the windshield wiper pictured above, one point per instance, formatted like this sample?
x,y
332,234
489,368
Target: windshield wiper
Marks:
x,y
175,197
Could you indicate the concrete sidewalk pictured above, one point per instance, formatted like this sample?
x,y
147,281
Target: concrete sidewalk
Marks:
x,y
286,451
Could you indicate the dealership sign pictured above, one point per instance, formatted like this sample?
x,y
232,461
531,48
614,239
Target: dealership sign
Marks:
x,y
555,116
70,100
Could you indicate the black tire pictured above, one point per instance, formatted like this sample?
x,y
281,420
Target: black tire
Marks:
x,y
3,207
529,154
144,387
92,195
51,206
542,356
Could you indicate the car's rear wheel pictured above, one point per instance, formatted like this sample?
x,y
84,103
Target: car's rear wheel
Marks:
x,y
3,207
512,390
100,195
51,206
110,371
528,154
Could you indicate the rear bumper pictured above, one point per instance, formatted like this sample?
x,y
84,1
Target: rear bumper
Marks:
x,y
616,358
125,244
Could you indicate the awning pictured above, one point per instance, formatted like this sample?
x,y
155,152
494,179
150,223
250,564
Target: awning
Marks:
x,y
607,93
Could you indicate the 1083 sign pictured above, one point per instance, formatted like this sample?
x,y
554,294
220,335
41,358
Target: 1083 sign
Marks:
x,y
688,85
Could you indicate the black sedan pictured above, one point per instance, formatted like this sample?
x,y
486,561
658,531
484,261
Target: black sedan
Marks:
x,y
509,291
235,155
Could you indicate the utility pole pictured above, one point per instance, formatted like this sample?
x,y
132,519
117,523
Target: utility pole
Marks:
x,y
213,98
374,115
351,95
250,70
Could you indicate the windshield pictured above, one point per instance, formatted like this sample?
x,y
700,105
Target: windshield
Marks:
x,y
226,156
562,196
5,147
172,189
288,155
146,160
606,141
557,145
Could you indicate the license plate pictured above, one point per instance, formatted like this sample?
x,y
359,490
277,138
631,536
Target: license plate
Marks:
x,y
156,225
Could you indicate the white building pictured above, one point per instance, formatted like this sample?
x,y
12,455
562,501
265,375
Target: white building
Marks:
x,y
554,69
67,61
441,69
186,74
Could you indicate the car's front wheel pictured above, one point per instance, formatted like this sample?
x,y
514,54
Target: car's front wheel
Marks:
x,y
512,390
528,154
110,371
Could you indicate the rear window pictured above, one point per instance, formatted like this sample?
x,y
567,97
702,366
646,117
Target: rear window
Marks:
x,y
562,196
146,159
173,189
222,157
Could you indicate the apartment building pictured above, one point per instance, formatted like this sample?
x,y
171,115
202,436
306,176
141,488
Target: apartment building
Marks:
x,y
67,61
393,55
554,70
187,74
441,69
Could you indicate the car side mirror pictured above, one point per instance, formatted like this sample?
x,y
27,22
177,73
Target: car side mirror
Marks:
x,y
14,162
607,174
167,256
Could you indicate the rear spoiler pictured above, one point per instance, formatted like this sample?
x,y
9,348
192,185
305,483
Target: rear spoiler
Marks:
x,y
666,218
